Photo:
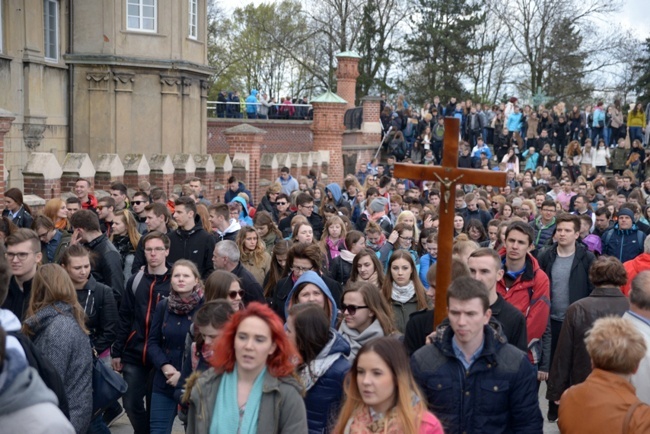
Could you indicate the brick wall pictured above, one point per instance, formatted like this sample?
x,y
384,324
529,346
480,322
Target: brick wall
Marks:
x,y
281,136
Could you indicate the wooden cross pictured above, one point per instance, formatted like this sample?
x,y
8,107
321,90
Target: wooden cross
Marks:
x,y
448,175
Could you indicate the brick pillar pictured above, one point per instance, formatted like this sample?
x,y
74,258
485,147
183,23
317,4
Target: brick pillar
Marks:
x,y
6,118
247,139
205,172
269,168
75,166
109,169
306,162
136,170
371,125
184,167
222,171
296,164
42,175
328,129
347,72
162,173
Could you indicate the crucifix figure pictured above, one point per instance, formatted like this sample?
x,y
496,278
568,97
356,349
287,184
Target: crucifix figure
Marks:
x,y
449,175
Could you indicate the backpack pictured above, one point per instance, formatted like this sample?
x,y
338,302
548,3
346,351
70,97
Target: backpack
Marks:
x,y
639,234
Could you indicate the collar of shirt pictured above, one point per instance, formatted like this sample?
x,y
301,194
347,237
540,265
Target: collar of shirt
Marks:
x,y
461,356
639,317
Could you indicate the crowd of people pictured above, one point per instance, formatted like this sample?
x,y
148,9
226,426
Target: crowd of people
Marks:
x,y
258,105
313,311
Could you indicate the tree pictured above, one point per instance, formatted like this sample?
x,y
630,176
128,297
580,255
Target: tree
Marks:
x,y
440,46
642,67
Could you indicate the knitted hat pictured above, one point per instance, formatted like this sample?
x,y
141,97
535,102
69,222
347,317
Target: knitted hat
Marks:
x,y
626,211
378,205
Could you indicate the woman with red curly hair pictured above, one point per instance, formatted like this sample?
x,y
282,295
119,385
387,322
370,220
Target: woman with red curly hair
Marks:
x,y
251,387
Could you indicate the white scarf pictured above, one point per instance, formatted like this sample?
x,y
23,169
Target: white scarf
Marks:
x,y
403,293
357,340
311,374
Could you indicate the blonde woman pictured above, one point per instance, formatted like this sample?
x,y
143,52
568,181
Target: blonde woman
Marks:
x,y
254,256
125,237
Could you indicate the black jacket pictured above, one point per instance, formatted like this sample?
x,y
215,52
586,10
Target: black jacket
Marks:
x,y
197,245
340,270
252,289
315,220
136,316
17,300
285,285
108,265
266,205
579,284
101,313
23,219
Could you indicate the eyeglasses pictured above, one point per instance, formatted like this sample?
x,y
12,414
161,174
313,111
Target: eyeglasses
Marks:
x,y
43,235
100,207
155,249
301,269
233,294
307,207
351,309
20,255
406,238
281,203
138,202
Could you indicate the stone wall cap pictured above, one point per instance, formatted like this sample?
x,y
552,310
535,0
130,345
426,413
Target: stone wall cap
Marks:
x,y
6,114
136,163
161,163
78,164
371,98
109,163
328,97
348,54
269,161
241,161
222,162
204,162
244,129
184,162
32,200
43,164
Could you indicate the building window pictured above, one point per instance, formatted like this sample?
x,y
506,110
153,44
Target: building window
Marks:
x,y
141,15
51,28
194,18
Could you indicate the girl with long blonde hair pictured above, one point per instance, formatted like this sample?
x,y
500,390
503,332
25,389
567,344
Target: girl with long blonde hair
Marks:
x,y
382,396
125,237
254,256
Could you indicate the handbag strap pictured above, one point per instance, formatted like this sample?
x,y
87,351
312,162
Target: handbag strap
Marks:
x,y
628,416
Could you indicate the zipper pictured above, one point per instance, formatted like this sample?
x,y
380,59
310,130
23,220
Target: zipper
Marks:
x,y
146,322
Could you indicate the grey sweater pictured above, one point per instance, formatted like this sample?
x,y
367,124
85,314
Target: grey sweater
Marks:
x,y
61,341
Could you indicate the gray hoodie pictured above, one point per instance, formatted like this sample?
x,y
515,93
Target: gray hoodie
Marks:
x,y
26,404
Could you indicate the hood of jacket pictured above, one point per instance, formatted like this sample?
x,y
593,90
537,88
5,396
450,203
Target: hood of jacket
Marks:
x,y
336,345
234,227
21,386
9,321
242,202
335,190
313,278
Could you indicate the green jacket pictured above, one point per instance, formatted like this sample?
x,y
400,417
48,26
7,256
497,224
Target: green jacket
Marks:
x,y
619,158
282,409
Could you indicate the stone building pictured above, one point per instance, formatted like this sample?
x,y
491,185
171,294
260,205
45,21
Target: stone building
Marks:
x,y
110,76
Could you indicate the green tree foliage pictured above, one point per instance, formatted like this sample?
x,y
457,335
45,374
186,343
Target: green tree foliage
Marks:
x,y
439,47
642,66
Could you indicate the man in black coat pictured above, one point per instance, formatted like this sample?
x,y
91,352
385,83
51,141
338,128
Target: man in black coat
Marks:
x,y
305,204
107,268
226,257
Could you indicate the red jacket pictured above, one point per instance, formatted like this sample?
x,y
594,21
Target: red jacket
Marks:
x,y
91,204
634,267
530,293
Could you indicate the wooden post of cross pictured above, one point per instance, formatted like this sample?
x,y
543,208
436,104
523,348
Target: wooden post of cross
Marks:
x,y
449,175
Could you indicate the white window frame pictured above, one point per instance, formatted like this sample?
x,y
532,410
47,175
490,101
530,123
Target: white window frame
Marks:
x,y
141,18
47,8
193,15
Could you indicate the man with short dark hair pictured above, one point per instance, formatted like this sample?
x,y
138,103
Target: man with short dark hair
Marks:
x,y
544,224
469,358
195,185
144,290
603,222
53,241
107,268
289,183
105,212
138,204
119,194
234,188
82,191
305,204
23,255
473,212
190,240
525,285
223,226
72,205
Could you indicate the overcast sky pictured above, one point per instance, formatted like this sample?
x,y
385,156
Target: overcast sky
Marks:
x,y
633,15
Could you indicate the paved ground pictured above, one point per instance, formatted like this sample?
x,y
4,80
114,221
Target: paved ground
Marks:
x,y
123,426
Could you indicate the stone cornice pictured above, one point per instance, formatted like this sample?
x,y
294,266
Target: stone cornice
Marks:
x,y
138,62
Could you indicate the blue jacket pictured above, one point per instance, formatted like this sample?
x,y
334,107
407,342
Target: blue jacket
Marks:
x,y
323,399
314,278
339,200
598,115
251,102
167,343
624,244
497,394
531,162
230,195
426,261
514,122
244,218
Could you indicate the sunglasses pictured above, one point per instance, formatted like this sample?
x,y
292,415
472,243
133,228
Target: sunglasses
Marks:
x,y
233,294
280,203
351,309
138,202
